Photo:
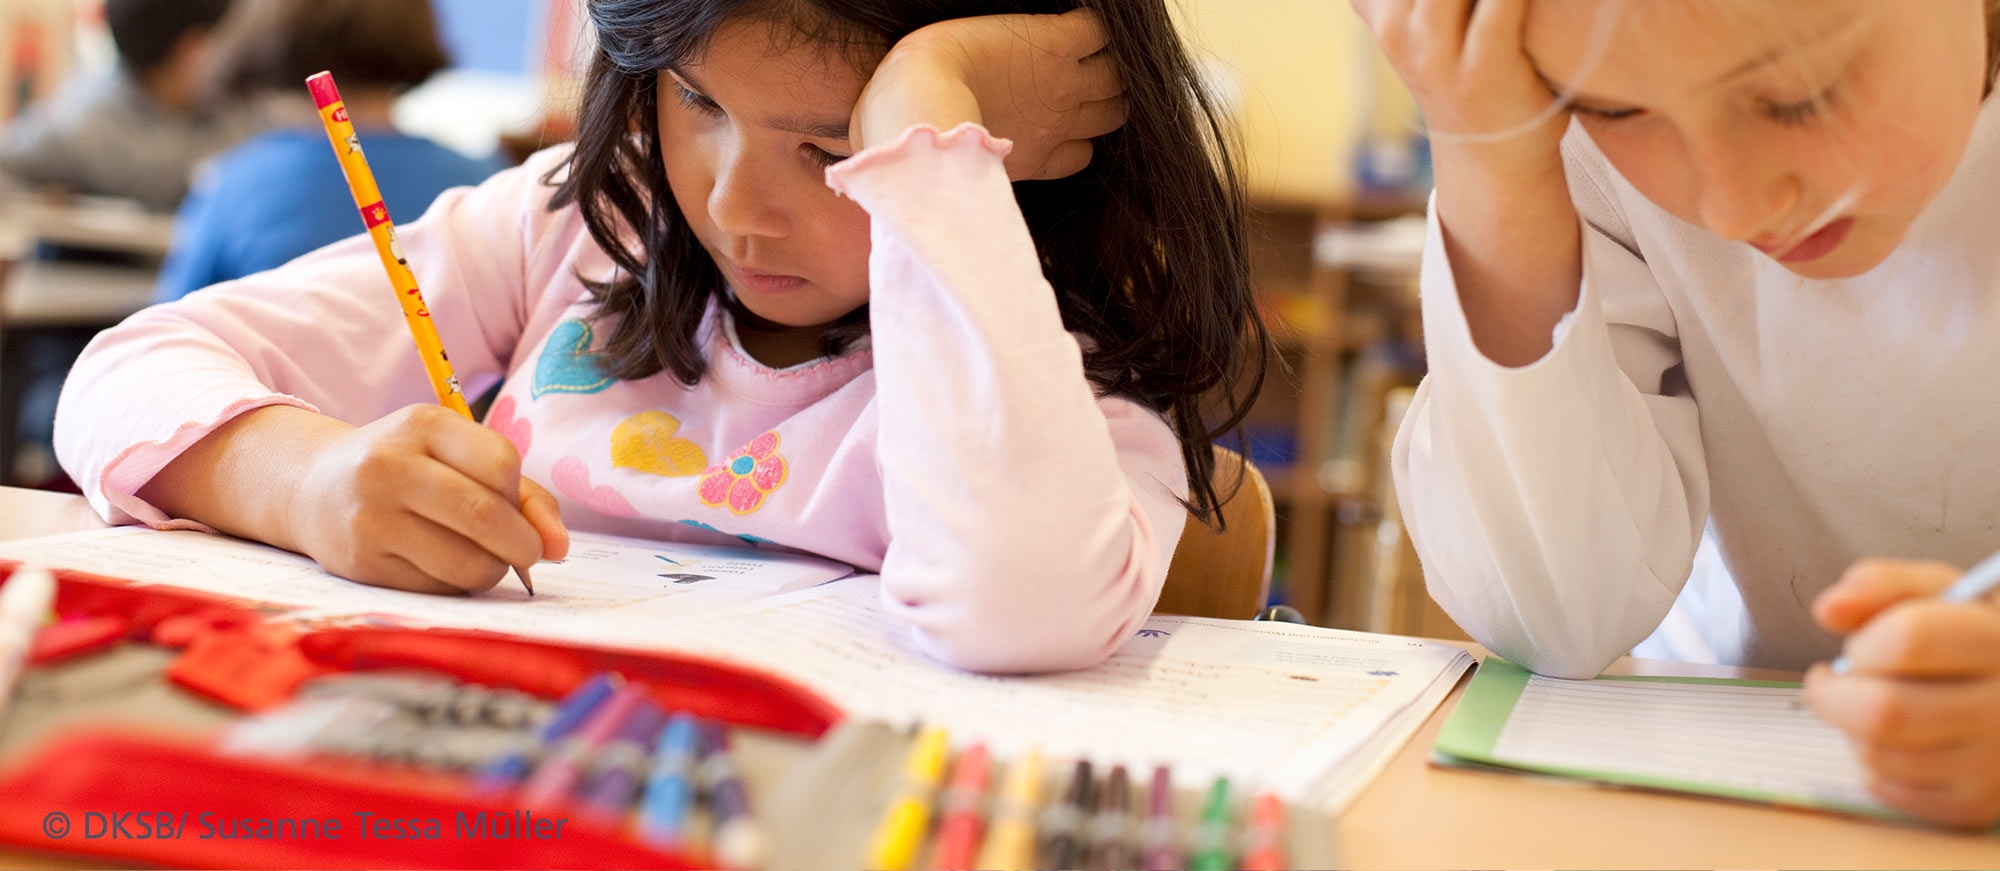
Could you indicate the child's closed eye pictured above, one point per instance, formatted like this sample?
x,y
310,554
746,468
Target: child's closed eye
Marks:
x,y
1799,113
696,101
820,155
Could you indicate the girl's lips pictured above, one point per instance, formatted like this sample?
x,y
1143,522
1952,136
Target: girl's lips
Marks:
x,y
762,282
1817,245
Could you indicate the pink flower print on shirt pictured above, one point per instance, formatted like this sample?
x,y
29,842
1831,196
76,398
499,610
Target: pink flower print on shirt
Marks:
x,y
743,480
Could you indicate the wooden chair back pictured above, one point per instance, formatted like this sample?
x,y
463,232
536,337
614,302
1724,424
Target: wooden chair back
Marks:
x,y
1226,574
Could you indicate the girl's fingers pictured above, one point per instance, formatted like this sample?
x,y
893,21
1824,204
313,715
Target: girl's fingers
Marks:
x,y
1925,638
1930,768
447,498
1375,13
1960,805
1495,32
481,454
1066,160
1076,34
544,512
1870,585
1886,712
396,573
1443,24
1096,118
450,558
1100,79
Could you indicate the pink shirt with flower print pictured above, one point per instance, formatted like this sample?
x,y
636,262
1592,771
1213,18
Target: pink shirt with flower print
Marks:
x,y
1019,522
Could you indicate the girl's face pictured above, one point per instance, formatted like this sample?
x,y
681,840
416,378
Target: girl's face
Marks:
x,y
1815,130
747,131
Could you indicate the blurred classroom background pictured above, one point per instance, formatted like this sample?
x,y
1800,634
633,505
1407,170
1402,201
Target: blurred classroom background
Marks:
x,y
1335,154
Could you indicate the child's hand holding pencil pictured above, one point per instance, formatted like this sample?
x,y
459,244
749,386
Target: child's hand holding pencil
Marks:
x,y
436,505
424,499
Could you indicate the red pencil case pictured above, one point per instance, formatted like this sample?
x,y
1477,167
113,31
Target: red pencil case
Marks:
x,y
118,794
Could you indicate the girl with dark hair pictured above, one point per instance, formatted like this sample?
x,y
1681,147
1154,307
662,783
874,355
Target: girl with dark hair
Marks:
x,y
938,288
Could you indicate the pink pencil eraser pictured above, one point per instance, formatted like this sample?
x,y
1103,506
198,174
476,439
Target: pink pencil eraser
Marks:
x,y
323,91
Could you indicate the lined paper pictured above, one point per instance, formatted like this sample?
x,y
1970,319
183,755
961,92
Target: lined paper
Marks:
x,y
1751,738
609,586
1307,713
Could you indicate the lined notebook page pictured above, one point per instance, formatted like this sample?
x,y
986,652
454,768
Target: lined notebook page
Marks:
x,y
1744,737
1303,712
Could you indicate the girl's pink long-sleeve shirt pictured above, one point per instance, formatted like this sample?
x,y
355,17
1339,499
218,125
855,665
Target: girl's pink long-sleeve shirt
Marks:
x,y
1019,522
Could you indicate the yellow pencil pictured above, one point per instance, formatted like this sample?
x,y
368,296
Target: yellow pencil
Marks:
x,y
375,215
1010,837
902,828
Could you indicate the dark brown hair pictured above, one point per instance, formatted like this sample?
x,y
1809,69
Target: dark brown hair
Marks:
x,y
147,31
273,45
1145,248
1992,44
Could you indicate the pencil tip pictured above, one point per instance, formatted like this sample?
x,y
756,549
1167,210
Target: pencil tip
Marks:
x,y
526,582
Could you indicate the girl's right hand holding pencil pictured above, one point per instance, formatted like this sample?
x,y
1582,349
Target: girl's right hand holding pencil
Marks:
x,y
422,500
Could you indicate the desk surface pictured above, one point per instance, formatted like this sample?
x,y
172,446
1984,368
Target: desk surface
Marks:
x,y
1416,816
96,223
56,293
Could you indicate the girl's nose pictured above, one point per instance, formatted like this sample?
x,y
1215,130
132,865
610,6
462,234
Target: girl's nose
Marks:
x,y
744,203
1745,197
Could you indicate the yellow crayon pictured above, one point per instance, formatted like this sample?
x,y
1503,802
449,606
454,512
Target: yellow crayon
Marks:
x,y
902,829
1010,838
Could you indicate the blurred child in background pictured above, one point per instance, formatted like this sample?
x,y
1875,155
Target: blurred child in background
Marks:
x,y
138,131
280,194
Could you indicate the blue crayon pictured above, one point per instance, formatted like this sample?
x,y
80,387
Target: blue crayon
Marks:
x,y
670,786
508,771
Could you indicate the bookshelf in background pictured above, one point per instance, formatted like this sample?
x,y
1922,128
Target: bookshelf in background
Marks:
x,y
1336,285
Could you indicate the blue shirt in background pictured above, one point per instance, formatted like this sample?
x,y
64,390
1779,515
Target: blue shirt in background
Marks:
x,y
281,195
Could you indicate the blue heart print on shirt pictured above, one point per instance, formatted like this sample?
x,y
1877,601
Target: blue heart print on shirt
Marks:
x,y
567,364
751,540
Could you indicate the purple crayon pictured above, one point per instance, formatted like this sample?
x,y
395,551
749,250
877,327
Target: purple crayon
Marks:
x,y
1159,839
621,765
738,843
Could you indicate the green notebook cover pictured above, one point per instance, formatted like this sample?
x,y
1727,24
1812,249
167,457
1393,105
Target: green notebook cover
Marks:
x,y
1470,738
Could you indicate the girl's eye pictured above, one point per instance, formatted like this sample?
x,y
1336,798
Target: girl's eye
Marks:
x,y
696,101
822,156
1607,114
1797,114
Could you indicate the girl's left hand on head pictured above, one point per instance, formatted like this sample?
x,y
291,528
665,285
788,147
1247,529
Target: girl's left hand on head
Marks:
x,y
1921,700
1042,81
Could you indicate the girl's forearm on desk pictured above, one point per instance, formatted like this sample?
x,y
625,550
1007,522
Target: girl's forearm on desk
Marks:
x,y
244,478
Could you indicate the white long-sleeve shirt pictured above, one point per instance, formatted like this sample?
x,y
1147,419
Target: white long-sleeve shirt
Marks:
x,y
1700,385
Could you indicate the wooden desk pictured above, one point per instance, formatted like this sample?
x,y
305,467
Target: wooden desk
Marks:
x,y
1415,816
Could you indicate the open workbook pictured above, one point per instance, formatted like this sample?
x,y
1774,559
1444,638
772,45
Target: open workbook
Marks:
x,y
1742,739
1308,714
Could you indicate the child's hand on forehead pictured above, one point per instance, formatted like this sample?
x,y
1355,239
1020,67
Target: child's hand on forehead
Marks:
x,y
1921,701
1042,81
1466,63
